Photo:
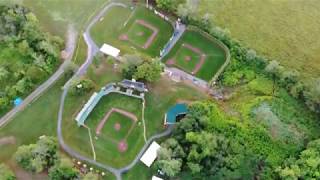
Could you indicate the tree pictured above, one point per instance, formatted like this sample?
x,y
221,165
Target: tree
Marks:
x,y
63,169
4,73
149,70
251,54
59,172
307,166
274,68
167,5
170,167
6,173
37,157
312,95
81,86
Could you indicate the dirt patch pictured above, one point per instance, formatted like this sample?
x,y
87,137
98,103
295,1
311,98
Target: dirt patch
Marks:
x,y
117,126
123,37
187,58
7,140
171,62
140,33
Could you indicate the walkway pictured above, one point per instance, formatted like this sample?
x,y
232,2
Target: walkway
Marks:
x,y
178,32
70,46
92,50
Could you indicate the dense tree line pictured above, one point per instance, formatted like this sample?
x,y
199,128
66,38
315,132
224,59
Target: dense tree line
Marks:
x,y
207,144
28,55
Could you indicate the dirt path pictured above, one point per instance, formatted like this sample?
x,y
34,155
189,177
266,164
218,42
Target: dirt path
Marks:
x,y
7,140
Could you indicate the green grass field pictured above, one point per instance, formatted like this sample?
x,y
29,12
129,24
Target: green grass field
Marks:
x,y
139,34
55,15
106,145
110,130
215,55
109,29
283,30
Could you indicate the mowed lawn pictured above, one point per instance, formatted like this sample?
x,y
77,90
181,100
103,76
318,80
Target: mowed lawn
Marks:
x,y
55,15
284,30
160,97
215,55
109,30
40,118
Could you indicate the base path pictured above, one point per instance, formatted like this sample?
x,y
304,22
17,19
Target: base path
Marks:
x,y
154,34
120,111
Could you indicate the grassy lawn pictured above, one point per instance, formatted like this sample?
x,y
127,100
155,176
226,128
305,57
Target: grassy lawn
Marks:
x,y
160,97
283,30
109,29
55,15
215,56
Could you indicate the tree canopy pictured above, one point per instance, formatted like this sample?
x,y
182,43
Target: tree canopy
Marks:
x,y
28,54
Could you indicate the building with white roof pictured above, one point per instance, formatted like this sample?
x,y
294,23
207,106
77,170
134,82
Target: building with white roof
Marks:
x,y
110,50
151,154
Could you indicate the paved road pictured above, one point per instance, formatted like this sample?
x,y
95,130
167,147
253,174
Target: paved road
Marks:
x,y
70,46
91,51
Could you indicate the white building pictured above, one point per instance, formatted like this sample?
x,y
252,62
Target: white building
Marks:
x,y
110,50
151,154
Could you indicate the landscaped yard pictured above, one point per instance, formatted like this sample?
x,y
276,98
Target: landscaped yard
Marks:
x,y
134,30
197,54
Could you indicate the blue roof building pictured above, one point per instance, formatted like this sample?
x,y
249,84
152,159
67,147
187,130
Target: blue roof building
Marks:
x,y
174,112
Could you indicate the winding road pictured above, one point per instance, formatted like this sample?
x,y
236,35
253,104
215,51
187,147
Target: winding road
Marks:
x,y
91,51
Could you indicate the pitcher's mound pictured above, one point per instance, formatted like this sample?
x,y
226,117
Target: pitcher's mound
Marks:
x,y
122,146
117,126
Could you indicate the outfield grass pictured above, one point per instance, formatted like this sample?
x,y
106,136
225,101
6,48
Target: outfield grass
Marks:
x,y
109,29
214,60
285,30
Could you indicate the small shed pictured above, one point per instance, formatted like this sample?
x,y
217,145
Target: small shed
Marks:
x,y
110,50
17,102
150,154
178,110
